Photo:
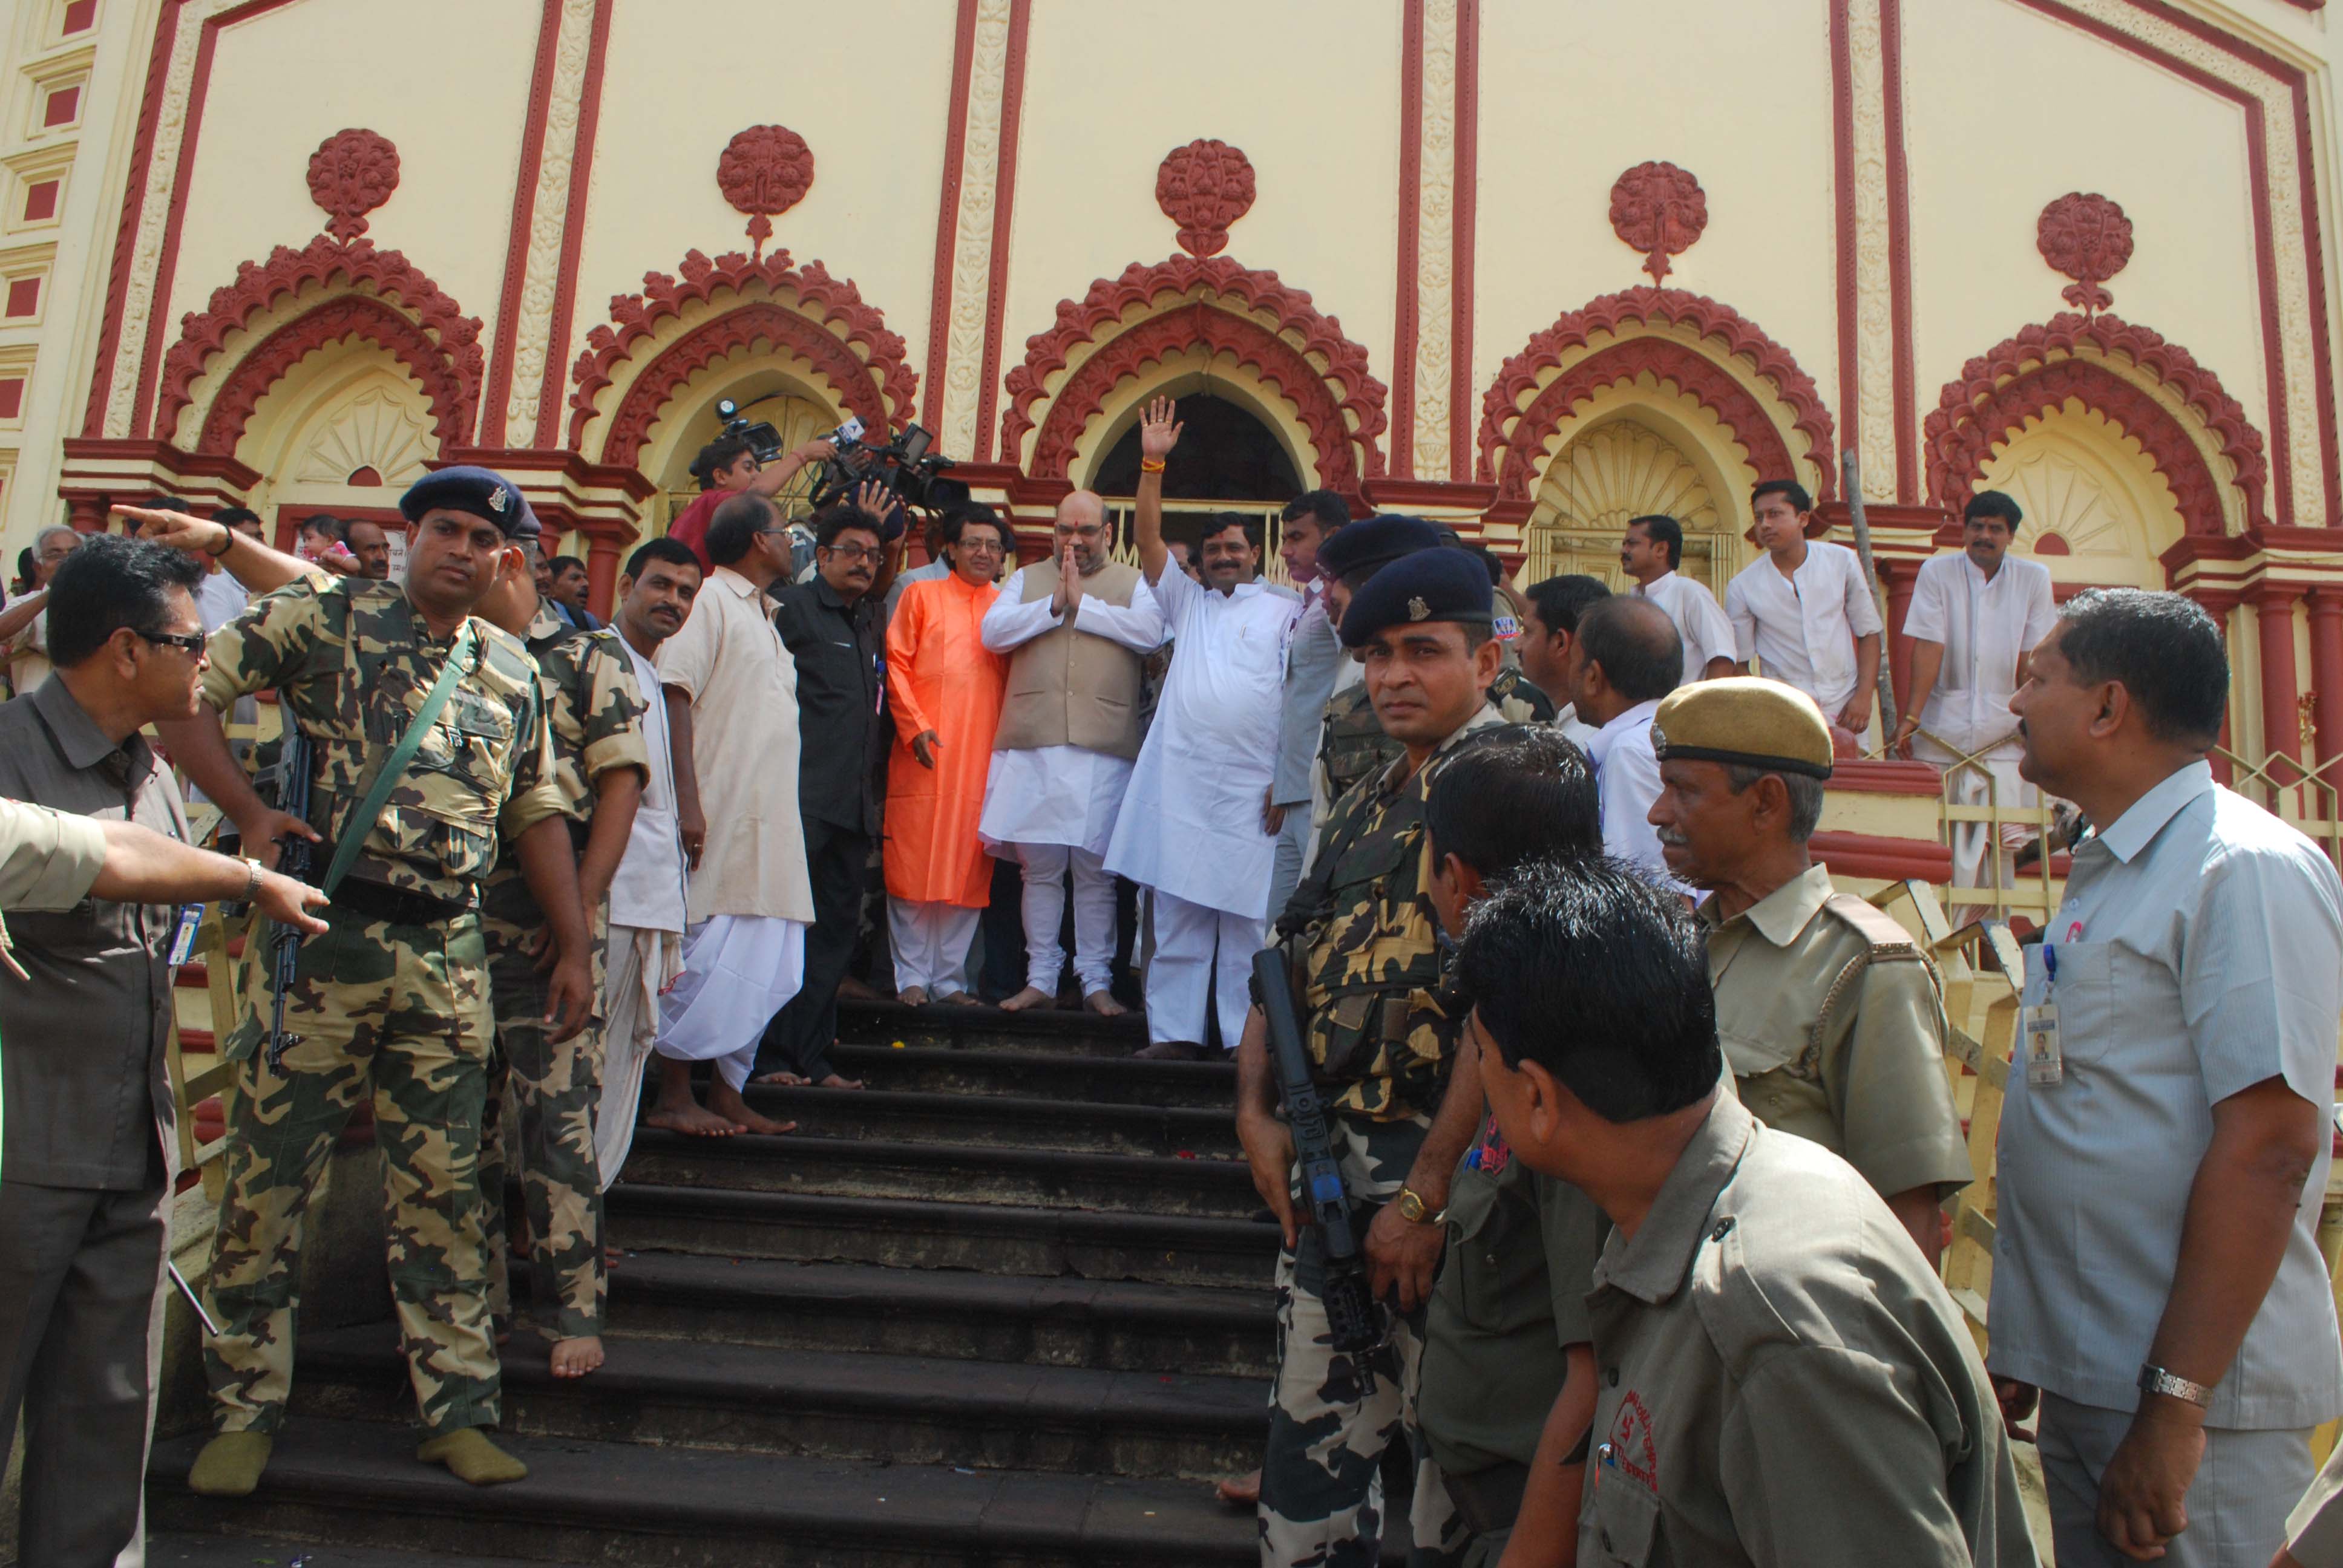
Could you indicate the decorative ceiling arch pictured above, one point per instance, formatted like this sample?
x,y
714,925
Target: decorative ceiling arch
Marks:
x,y
1243,310
337,319
1523,431
2087,358
820,315
354,268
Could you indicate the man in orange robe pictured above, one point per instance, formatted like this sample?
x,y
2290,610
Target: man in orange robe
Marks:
x,y
946,692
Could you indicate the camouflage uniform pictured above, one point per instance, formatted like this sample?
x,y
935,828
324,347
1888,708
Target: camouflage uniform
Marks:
x,y
1380,1036
383,1006
1352,744
595,713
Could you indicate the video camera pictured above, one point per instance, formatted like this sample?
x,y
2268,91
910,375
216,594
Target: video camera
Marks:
x,y
904,465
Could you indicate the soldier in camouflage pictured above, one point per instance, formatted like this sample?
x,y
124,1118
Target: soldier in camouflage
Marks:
x,y
1362,933
391,1004
547,1132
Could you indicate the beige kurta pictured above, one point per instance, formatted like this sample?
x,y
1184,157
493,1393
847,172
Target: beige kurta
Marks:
x,y
744,745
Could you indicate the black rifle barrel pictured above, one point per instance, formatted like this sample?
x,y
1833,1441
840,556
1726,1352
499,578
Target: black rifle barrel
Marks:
x,y
296,859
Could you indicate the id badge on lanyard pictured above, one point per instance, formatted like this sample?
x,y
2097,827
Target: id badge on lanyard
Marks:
x,y
2037,1028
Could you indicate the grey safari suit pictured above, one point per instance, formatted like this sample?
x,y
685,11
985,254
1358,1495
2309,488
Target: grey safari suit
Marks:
x,y
1832,1022
1780,1380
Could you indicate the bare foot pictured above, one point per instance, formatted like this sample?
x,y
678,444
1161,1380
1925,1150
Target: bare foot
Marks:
x,y
1240,1491
912,996
725,1101
612,1257
960,999
575,1358
839,1081
690,1118
784,1079
1032,996
1104,1004
852,989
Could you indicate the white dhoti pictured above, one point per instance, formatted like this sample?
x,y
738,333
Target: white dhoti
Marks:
x,y
1184,983
1053,809
643,962
1993,780
738,971
930,941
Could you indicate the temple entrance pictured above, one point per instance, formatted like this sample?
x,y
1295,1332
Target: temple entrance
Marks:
x,y
2096,510
1629,467
796,417
1226,460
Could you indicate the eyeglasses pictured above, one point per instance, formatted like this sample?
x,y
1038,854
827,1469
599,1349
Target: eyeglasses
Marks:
x,y
853,552
193,642
978,548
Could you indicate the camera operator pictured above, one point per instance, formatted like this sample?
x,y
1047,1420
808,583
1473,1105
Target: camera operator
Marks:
x,y
727,467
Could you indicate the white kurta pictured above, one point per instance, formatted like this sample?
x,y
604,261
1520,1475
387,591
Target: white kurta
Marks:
x,y
1700,620
1802,629
1065,795
1627,780
1191,824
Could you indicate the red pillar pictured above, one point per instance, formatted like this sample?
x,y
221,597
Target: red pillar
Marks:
x,y
86,512
2281,724
2218,605
1899,577
2326,676
601,575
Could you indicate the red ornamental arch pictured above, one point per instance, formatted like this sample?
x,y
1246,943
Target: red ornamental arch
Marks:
x,y
1698,373
448,339
822,316
1341,406
2037,370
348,316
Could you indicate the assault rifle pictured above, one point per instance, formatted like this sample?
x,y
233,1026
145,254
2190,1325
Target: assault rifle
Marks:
x,y
1352,1316
294,859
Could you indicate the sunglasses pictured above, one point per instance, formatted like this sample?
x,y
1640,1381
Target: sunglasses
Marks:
x,y
193,642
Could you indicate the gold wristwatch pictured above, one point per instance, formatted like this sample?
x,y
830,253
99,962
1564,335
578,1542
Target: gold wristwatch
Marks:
x,y
1411,1208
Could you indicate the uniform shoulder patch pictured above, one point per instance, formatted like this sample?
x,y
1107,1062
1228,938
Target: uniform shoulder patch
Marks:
x,y
1875,926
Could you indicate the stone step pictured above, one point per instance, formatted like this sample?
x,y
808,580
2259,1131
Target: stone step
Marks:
x,y
1002,1120
895,1410
1103,1324
976,1070
987,1238
179,1549
1040,1029
622,1504
871,1168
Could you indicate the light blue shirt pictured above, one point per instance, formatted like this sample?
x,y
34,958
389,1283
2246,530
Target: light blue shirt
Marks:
x,y
2198,952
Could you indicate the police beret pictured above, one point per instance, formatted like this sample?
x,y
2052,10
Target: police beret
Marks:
x,y
1374,543
1432,585
483,492
1743,719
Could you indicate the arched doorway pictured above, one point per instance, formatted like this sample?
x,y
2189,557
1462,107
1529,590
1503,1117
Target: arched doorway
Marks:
x,y
764,394
2096,509
1628,456
1230,458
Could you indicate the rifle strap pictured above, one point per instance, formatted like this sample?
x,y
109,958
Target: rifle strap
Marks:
x,y
394,767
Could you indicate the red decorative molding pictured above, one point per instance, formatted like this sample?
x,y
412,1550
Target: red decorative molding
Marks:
x,y
1004,207
1850,386
573,226
1659,210
1899,252
125,231
830,306
1216,331
323,262
1204,188
1464,208
765,171
344,317
2089,239
1238,289
2039,368
760,321
1665,360
1885,776
1886,859
940,301
1406,328
352,173
532,156
1736,334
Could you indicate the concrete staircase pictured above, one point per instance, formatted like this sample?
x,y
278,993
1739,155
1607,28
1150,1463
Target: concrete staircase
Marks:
x,y
1010,1305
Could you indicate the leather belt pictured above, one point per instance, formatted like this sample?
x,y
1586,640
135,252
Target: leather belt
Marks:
x,y
1488,1500
399,906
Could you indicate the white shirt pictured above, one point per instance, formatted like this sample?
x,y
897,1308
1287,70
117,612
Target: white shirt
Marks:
x,y
1983,623
1700,620
1802,630
1627,776
1061,794
2199,952
219,600
648,888
1191,824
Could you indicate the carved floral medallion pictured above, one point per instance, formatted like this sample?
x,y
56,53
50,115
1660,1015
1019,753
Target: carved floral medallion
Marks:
x,y
765,171
1660,210
2089,239
352,173
1204,188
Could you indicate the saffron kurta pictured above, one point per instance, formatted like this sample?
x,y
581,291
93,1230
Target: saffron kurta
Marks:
x,y
939,678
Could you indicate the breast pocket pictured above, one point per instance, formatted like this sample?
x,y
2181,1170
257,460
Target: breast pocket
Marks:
x,y
2084,989
1623,1527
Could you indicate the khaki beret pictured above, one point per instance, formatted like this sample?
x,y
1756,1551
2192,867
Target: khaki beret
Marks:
x,y
1743,719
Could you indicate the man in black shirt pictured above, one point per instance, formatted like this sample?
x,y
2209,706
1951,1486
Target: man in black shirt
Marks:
x,y
833,629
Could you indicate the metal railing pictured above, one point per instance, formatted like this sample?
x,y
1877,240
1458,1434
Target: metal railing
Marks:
x,y
1269,514
1957,806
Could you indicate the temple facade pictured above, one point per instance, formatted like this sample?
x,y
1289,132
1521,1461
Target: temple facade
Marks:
x,y
1531,266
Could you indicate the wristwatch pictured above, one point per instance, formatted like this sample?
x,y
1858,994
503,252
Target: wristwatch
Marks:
x,y
1411,1208
2156,1380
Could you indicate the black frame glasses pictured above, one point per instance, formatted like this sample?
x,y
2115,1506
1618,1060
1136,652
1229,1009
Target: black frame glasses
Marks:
x,y
192,642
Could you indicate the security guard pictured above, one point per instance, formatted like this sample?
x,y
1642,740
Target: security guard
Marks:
x,y
600,763
1506,1384
392,1002
1352,742
1832,1017
1781,1380
1361,933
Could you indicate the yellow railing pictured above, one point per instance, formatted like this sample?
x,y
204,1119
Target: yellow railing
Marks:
x,y
1267,514
2004,891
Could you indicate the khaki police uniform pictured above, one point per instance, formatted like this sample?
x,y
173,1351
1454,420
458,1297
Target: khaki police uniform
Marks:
x,y
546,1133
391,1003
1510,1298
1782,1380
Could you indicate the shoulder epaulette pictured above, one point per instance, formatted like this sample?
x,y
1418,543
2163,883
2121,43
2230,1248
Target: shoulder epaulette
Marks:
x,y
1886,937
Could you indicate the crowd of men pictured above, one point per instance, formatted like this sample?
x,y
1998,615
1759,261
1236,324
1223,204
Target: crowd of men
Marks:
x,y
1646,1125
